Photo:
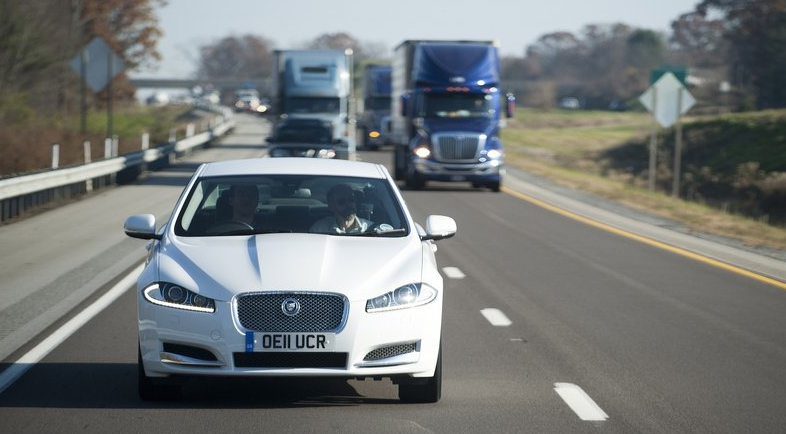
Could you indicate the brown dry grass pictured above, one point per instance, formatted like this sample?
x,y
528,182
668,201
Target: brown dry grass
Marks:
x,y
28,147
559,146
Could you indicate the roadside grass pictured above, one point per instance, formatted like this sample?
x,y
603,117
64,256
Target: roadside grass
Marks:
x,y
567,147
27,146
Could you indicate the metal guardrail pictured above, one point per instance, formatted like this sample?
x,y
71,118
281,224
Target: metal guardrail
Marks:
x,y
26,192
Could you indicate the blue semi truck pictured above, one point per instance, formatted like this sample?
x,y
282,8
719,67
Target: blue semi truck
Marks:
x,y
446,113
374,123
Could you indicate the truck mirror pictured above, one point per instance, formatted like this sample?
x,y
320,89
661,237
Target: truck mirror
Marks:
x,y
404,103
510,106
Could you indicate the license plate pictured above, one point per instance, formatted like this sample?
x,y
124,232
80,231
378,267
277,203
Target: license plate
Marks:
x,y
301,342
457,178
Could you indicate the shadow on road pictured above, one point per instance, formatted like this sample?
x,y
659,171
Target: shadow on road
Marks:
x,y
114,385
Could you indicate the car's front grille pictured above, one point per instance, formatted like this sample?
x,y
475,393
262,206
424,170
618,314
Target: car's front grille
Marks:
x,y
391,351
457,147
318,312
289,359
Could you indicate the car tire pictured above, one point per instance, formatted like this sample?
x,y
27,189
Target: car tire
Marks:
x,y
495,186
149,390
429,391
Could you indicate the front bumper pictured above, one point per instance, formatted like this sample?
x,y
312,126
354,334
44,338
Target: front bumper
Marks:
x,y
430,170
176,342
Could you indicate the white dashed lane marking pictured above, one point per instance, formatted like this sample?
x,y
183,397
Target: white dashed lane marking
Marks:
x,y
496,317
581,403
453,273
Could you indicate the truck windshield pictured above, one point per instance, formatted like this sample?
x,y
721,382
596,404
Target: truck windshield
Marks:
x,y
457,105
312,105
378,103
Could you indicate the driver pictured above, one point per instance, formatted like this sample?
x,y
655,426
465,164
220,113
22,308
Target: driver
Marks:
x,y
243,199
341,203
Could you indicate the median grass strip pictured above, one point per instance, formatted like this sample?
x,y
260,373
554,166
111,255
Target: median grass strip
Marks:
x,y
568,147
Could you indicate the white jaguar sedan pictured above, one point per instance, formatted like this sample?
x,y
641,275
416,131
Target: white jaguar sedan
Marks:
x,y
291,267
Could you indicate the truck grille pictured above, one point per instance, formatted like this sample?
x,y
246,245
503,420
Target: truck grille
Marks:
x,y
319,312
458,147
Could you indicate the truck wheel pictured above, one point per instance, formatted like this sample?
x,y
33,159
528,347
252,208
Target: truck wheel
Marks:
x,y
427,392
360,138
398,164
412,180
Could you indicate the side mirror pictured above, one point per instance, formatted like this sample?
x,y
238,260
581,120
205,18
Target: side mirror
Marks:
x,y
404,103
141,226
269,139
439,227
510,105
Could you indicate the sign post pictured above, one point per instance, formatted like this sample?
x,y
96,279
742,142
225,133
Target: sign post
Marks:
x,y
667,100
97,64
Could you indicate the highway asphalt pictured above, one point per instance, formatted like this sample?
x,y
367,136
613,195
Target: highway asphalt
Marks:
x,y
561,316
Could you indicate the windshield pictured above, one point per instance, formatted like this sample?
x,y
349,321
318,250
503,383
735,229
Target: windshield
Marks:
x,y
302,134
312,105
378,103
260,204
457,105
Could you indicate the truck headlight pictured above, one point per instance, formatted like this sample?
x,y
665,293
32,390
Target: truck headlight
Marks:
x,y
422,151
414,294
494,154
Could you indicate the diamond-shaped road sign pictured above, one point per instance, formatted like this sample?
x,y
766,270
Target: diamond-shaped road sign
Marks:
x,y
664,97
98,55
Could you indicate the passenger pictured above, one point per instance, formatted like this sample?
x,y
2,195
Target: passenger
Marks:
x,y
243,200
341,203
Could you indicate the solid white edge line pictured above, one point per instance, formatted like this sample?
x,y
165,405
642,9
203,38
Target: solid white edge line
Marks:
x,y
496,317
581,403
453,273
18,368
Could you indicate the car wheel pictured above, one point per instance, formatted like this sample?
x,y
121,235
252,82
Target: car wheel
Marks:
x,y
495,186
149,390
429,391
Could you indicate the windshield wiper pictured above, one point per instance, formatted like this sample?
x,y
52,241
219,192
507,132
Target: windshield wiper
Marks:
x,y
379,233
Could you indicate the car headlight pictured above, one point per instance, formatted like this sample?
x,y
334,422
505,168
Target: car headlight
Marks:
x,y
175,296
414,294
326,153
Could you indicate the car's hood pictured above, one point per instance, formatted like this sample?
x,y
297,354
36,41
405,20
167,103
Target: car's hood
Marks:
x,y
358,267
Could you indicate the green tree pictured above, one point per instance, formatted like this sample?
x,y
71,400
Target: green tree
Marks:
x,y
756,31
232,57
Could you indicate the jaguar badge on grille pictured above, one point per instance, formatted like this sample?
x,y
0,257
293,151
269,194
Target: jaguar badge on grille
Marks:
x,y
290,307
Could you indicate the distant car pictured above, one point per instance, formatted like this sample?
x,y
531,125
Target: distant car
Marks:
x,y
273,298
569,103
247,104
299,137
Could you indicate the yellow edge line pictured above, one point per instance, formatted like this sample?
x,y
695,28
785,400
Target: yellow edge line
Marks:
x,y
651,242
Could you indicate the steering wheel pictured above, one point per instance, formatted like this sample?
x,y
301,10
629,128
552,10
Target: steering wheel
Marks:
x,y
230,227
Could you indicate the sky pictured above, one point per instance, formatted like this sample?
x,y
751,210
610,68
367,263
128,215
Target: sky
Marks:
x,y
516,24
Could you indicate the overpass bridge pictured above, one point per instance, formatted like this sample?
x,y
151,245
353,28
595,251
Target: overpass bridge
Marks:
x,y
263,85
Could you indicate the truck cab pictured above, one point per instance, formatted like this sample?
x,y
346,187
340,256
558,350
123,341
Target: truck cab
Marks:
x,y
316,84
447,113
